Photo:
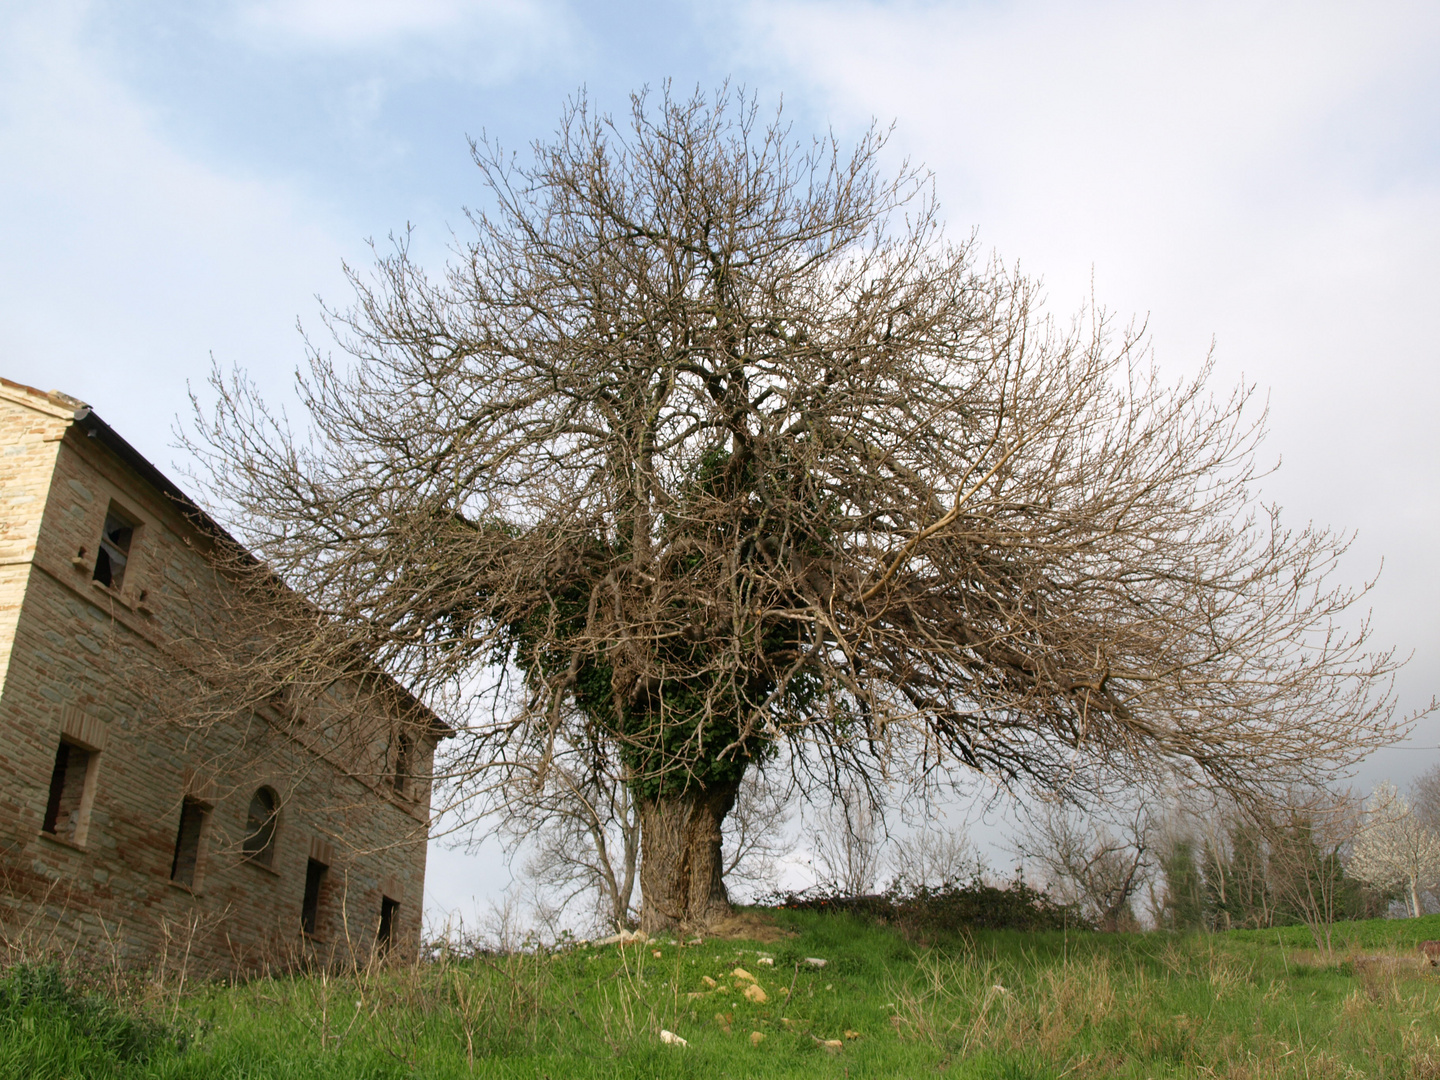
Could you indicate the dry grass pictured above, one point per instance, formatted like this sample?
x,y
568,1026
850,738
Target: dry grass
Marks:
x,y
1197,1004
1038,1005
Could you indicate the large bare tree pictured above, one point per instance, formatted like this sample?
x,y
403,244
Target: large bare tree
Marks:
x,y
708,440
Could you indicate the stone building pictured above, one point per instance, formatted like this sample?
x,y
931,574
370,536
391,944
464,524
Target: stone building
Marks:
x,y
246,843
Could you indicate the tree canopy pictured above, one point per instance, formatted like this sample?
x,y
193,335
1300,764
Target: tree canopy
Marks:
x,y
710,442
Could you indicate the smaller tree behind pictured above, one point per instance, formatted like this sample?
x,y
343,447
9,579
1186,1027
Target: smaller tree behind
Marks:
x,y
1228,866
847,844
1395,848
579,824
1309,850
935,858
755,839
1088,864
1181,904
1234,865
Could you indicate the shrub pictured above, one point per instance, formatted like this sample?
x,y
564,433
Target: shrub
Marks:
x,y
928,910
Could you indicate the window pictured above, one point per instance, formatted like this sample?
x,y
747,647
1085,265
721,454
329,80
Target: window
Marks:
x,y
68,806
187,842
310,906
389,912
114,549
259,846
403,751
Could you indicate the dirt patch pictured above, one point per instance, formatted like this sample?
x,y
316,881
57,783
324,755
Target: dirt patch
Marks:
x,y
750,926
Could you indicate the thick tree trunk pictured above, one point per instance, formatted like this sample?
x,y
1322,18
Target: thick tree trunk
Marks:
x,y
681,881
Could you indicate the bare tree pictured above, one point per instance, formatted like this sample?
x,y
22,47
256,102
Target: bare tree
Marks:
x,y
1308,841
1395,848
755,839
578,823
933,858
847,844
1087,862
714,442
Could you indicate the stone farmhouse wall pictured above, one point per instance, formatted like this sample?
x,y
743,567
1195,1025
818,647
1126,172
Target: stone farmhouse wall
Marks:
x,y
140,847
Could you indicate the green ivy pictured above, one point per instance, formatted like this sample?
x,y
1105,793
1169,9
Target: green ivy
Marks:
x,y
687,731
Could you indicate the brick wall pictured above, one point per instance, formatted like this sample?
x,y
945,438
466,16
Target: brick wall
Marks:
x,y
74,649
30,433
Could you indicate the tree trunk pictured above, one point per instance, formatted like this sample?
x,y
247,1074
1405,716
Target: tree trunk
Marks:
x,y
681,874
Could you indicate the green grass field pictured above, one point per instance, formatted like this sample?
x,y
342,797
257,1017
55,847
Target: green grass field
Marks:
x,y
998,1004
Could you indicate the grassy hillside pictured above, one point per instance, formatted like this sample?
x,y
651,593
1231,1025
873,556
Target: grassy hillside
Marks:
x,y
996,1004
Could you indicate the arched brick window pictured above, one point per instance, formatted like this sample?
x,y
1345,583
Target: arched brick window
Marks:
x,y
260,826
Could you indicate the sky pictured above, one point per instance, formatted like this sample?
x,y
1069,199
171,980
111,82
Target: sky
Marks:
x,y
181,181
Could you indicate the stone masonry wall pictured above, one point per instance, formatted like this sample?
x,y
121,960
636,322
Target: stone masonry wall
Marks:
x,y
73,647
29,442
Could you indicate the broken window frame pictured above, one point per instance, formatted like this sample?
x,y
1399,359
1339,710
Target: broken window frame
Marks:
x,y
189,843
315,874
385,932
71,793
112,556
258,846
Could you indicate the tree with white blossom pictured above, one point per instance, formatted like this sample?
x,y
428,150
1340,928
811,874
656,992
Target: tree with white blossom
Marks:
x,y
1396,848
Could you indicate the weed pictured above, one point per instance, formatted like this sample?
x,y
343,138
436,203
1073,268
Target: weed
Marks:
x,y
987,1004
54,1027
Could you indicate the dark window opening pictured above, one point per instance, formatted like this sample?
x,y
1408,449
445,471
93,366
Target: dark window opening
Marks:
x,y
403,751
114,550
187,842
389,912
310,907
67,791
259,843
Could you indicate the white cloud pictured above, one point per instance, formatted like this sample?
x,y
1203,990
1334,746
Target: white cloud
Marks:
x,y
127,262
1130,121
351,23
1266,174
483,40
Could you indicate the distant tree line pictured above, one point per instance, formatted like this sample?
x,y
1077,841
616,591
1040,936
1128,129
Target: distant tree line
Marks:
x,y
1249,874
1322,858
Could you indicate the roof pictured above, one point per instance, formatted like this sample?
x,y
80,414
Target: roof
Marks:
x,y
53,402
63,406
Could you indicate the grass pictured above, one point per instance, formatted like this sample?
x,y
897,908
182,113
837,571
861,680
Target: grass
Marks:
x,y
992,1004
